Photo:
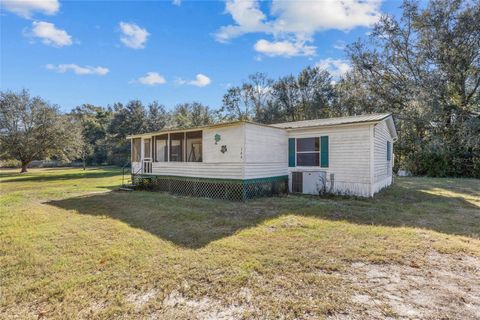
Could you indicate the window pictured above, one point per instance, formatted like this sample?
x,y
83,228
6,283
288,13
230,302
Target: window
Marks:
x,y
308,152
147,149
136,146
389,151
161,150
176,146
194,146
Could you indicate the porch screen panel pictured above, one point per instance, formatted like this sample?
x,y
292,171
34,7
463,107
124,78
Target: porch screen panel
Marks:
x,y
136,149
176,146
194,146
161,148
147,148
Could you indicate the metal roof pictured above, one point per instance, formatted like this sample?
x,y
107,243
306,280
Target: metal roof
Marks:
x,y
213,125
332,121
288,125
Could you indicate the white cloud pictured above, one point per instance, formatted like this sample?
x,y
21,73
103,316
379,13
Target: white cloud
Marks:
x,y
336,67
151,79
26,8
283,48
248,18
297,21
62,68
50,35
339,45
133,36
201,80
177,2
308,17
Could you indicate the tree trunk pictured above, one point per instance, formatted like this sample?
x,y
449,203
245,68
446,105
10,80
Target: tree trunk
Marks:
x,y
24,167
84,164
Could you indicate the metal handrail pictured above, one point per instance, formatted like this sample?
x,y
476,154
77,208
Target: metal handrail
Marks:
x,y
123,172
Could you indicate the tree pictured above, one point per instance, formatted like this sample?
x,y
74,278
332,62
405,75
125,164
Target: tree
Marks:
x,y
30,129
316,93
237,104
157,117
425,67
250,100
188,115
93,121
287,95
127,119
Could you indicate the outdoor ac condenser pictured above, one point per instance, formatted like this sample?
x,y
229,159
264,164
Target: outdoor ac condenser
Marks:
x,y
309,182
314,181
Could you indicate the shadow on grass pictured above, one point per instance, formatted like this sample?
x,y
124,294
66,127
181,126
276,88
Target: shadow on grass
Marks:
x,y
187,222
194,223
47,176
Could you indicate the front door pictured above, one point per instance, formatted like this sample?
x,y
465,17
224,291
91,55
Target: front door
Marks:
x,y
147,155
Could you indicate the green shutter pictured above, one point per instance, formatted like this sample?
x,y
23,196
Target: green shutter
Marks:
x,y
291,152
389,151
324,152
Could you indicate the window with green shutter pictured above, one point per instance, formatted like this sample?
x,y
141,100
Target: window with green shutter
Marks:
x,y
324,152
291,152
308,152
389,151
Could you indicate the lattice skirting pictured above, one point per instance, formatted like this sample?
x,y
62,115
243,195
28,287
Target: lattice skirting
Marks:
x,y
229,189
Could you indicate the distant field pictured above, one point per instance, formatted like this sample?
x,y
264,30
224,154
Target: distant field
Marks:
x,y
72,247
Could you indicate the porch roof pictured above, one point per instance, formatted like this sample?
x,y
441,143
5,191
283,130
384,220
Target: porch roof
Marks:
x,y
214,125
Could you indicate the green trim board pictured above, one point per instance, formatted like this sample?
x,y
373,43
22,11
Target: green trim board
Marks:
x,y
214,180
324,152
291,152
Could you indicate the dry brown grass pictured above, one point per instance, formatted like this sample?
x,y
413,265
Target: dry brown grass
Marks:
x,y
70,247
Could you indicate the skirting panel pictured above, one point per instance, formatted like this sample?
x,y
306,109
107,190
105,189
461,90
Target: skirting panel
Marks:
x,y
228,189
382,184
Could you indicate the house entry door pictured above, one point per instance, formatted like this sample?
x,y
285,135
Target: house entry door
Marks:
x,y
147,156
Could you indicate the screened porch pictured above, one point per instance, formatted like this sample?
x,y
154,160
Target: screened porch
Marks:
x,y
172,147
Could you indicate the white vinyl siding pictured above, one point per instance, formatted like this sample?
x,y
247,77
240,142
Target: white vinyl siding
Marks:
x,y
382,168
266,152
349,160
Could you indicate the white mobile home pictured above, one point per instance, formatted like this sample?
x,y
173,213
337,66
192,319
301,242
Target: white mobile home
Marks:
x,y
241,159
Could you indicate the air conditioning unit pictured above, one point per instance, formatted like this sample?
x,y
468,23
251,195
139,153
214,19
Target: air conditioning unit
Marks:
x,y
308,182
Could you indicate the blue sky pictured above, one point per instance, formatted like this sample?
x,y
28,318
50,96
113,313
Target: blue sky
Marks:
x,y
101,52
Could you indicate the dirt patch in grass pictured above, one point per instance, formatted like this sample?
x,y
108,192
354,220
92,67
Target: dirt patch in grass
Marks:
x,y
176,305
442,287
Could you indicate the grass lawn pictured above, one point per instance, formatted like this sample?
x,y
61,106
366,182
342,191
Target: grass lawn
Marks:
x,y
72,247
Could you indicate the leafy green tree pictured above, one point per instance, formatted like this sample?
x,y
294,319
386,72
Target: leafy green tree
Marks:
x,y
157,117
237,104
287,95
31,128
94,122
188,115
425,67
316,92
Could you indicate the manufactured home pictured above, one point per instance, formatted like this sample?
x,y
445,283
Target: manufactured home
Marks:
x,y
241,159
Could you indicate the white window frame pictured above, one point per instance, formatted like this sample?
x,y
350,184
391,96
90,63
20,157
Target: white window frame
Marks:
x,y
317,152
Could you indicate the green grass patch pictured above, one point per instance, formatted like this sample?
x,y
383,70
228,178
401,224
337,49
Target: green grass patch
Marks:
x,y
71,246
